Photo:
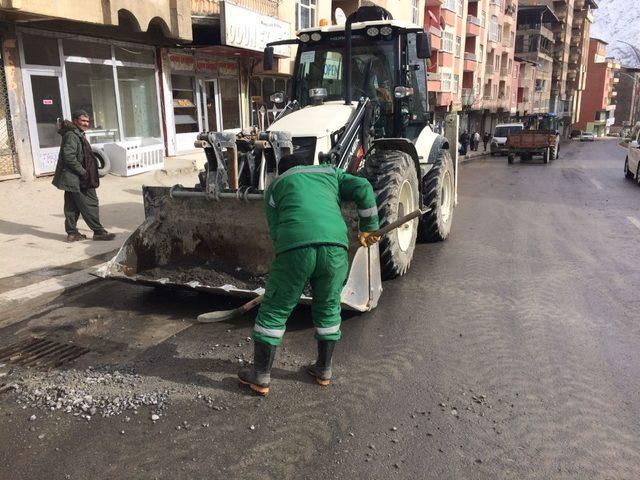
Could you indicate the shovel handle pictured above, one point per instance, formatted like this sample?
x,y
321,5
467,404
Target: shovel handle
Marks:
x,y
401,221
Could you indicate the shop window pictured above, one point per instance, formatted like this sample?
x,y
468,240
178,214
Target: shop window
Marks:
x,y
138,102
305,14
91,88
40,50
77,48
135,55
185,112
229,95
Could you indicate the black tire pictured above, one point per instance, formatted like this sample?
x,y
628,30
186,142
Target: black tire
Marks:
x,y
510,159
388,171
627,173
638,174
104,164
435,225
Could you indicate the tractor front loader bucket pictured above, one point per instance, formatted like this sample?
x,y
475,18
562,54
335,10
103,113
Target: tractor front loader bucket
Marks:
x,y
221,246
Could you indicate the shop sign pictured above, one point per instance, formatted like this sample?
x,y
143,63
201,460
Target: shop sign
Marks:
x,y
217,68
181,61
247,29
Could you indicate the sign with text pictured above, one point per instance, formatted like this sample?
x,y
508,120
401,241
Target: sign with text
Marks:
x,y
247,29
181,61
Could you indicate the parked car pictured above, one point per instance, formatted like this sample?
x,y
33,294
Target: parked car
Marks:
x,y
587,137
502,131
632,162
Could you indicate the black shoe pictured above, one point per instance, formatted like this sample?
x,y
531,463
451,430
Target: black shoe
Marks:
x,y
103,236
259,376
75,237
321,371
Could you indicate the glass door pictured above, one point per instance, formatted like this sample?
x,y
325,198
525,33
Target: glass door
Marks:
x,y
211,101
230,103
44,99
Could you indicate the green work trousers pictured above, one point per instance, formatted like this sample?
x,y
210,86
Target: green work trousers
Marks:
x,y
85,204
325,267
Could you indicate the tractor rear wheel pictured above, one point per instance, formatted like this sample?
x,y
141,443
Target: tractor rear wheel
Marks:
x,y
394,179
438,195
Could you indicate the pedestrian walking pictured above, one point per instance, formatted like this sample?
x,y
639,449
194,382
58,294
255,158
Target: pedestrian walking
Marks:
x,y
77,174
476,141
486,139
464,143
311,242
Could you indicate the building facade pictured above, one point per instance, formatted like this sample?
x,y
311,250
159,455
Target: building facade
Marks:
x,y
628,99
597,110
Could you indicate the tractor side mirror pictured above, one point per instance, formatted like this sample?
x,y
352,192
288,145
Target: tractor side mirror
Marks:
x,y
267,61
423,45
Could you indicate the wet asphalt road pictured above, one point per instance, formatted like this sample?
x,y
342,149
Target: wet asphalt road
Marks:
x,y
509,351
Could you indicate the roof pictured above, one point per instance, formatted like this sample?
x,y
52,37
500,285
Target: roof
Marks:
x,y
362,25
595,39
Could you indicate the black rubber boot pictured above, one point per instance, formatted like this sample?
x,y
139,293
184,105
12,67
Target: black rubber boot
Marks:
x,y
321,371
259,376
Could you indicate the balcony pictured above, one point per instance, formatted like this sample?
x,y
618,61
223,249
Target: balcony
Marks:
x,y
445,59
504,72
468,97
473,26
470,62
434,82
211,8
436,38
444,99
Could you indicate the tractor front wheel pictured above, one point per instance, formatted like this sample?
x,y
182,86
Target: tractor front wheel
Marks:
x,y
394,179
438,195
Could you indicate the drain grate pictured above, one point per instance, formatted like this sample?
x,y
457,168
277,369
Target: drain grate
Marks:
x,y
40,352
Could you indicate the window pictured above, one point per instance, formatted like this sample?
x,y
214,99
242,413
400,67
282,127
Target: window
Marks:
x,y
445,81
449,5
138,102
305,14
460,9
494,29
135,55
77,48
458,46
415,13
40,50
185,112
229,94
447,41
456,81
91,88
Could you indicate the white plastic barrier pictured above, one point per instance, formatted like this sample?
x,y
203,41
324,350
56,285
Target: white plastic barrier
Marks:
x,y
135,156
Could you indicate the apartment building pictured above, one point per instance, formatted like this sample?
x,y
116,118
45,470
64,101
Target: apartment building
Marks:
x,y
597,110
555,34
628,98
472,65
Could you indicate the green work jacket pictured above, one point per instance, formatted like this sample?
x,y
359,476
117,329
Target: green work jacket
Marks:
x,y
303,206
70,166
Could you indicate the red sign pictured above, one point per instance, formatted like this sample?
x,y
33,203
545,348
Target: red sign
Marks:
x,y
180,61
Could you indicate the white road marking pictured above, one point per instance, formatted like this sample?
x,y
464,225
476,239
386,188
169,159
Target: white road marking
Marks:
x,y
635,222
596,183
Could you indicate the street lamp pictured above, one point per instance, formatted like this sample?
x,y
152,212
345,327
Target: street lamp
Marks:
x,y
634,48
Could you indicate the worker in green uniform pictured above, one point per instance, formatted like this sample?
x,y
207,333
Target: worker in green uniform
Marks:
x,y
311,242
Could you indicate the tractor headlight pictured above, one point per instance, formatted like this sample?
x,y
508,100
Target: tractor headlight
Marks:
x,y
373,31
304,37
316,37
386,30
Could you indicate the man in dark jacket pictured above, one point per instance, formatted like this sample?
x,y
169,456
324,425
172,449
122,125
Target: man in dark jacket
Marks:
x,y
77,174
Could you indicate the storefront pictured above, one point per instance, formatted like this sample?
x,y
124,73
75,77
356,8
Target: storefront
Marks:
x,y
204,95
116,83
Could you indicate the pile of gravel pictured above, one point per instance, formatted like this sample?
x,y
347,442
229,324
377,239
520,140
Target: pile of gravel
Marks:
x,y
104,391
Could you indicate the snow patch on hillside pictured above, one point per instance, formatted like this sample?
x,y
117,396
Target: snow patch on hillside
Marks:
x,y
618,21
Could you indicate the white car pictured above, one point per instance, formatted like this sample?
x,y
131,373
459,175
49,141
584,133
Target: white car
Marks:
x,y
632,162
502,131
587,137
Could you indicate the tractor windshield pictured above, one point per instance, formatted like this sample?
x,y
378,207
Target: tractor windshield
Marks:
x,y
320,65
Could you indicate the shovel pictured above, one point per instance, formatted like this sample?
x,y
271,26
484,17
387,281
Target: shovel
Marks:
x,y
222,315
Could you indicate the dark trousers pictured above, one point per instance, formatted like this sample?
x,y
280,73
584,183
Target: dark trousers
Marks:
x,y
85,204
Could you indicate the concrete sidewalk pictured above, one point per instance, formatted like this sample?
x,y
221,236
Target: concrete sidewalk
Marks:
x,y
32,235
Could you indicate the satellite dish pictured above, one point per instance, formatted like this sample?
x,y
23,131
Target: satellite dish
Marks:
x,y
341,18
